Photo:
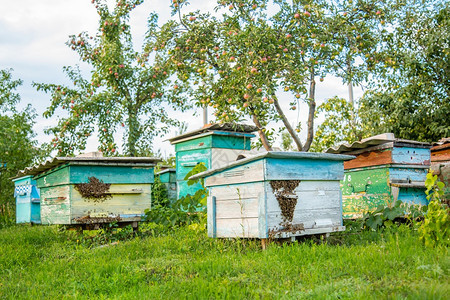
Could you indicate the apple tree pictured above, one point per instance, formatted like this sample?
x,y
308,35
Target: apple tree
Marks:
x,y
125,91
18,149
239,62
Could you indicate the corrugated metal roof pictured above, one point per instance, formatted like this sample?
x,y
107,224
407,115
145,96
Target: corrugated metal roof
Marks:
x,y
111,161
276,154
376,140
231,127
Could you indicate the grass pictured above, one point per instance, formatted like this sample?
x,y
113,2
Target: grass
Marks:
x,y
43,262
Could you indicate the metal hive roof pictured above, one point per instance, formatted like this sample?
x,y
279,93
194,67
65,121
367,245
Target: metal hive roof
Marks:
x,y
230,127
110,161
376,140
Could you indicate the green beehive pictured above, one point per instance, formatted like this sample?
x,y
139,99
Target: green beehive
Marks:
x,y
214,145
386,169
168,177
94,190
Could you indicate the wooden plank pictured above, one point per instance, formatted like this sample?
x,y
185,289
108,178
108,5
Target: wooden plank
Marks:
x,y
186,160
306,217
230,228
202,142
372,158
221,157
409,155
407,174
413,195
57,176
118,204
251,172
317,200
231,142
114,175
55,205
303,169
440,155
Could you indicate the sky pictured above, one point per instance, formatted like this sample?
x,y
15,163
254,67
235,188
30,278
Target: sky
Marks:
x,y
32,43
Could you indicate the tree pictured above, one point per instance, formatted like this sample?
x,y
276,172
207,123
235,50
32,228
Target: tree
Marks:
x,y
125,91
18,149
410,95
342,124
239,62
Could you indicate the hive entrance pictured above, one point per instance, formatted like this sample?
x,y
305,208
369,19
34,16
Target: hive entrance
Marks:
x,y
95,190
287,199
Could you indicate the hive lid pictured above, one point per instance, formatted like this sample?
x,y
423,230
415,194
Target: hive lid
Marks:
x,y
442,144
166,170
89,160
228,127
276,154
387,139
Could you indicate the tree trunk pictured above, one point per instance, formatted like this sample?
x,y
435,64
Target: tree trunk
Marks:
x,y
288,126
262,135
312,110
133,125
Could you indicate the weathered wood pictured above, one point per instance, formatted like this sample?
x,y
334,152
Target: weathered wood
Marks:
x,y
303,169
372,158
412,156
251,172
243,203
55,205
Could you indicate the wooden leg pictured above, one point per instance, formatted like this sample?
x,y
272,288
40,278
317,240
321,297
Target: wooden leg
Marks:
x,y
263,244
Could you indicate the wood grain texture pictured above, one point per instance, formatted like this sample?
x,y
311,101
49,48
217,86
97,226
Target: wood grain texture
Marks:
x,y
118,205
251,172
411,156
372,158
55,205
221,157
237,208
112,174
303,169
440,155
317,200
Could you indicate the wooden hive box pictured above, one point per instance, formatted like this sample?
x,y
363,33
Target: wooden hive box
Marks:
x,y
214,145
276,195
27,200
168,177
386,169
125,199
440,164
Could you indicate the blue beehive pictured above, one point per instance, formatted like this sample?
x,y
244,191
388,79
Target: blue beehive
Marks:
x,y
276,195
27,200
214,145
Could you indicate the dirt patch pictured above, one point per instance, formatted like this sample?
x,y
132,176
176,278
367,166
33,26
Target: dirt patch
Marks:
x,y
95,190
287,199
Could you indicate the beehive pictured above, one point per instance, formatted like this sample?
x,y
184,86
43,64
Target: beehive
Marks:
x,y
440,164
214,145
276,195
168,177
386,169
27,200
122,197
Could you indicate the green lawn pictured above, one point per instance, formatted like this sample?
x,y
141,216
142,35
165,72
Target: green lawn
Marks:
x,y
42,262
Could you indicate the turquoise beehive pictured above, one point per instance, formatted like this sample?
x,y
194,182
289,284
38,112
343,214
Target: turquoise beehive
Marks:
x,y
214,145
27,200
